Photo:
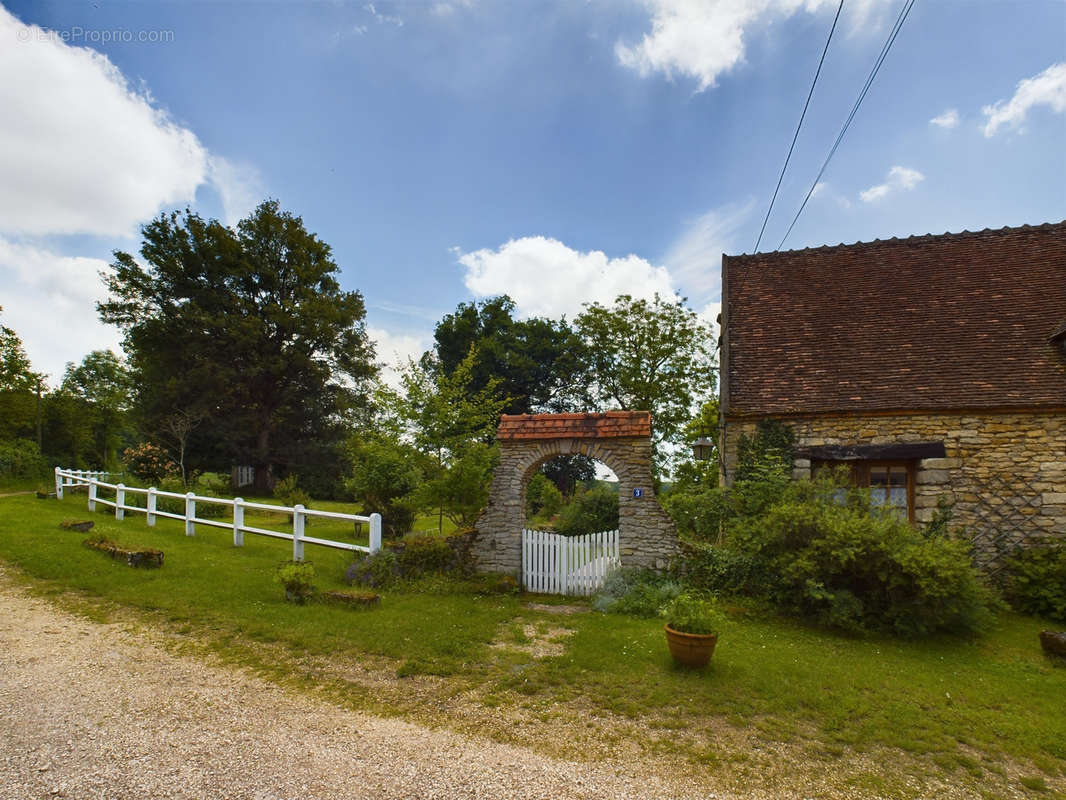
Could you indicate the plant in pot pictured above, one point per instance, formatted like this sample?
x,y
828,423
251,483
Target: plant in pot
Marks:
x,y
298,579
692,626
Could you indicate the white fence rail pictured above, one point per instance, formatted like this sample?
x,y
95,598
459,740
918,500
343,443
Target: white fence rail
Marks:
x,y
554,564
300,514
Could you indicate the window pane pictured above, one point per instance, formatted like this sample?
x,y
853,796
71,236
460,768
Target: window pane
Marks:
x,y
878,497
897,476
878,476
898,497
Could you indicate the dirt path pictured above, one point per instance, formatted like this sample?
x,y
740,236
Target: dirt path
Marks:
x,y
91,710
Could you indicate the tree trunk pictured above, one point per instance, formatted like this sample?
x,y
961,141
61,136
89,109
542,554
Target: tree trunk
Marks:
x,y
264,470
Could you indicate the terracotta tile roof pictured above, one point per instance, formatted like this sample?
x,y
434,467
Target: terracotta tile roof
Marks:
x,y
611,425
956,321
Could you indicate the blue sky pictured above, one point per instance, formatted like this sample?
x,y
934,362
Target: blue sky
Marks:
x,y
561,152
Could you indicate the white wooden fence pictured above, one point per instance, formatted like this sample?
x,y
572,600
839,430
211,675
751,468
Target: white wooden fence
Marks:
x,y
70,478
554,564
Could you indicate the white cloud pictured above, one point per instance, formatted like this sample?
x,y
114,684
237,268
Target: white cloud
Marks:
x,y
704,39
394,350
903,178
83,152
1046,89
239,186
80,151
50,301
949,119
695,259
546,278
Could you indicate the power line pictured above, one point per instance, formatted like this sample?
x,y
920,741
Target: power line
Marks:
x,y
795,136
904,12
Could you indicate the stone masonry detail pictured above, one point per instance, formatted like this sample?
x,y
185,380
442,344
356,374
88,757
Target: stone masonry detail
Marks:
x,y
1004,473
647,537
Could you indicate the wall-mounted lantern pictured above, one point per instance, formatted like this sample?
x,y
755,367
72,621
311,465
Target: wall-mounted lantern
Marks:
x,y
703,449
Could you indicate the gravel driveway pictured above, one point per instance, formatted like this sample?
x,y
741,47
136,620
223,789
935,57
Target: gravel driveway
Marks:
x,y
91,710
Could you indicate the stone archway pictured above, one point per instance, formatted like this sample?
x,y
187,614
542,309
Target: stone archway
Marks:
x,y
620,439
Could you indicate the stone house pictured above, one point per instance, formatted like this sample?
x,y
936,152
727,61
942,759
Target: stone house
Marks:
x,y
933,367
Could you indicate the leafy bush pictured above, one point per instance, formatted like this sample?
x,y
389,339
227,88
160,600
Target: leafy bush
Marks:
x,y
385,474
21,459
591,511
1036,581
722,569
290,494
149,462
848,569
421,553
543,497
378,571
693,613
700,515
298,579
640,592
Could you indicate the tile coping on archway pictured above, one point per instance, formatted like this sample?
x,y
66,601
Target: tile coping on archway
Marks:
x,y
619,439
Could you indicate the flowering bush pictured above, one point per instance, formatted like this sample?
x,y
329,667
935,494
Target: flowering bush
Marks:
x,y
149,462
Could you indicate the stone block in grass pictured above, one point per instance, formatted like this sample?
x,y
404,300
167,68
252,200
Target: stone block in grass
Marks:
x,y
144,557
353,598
81,526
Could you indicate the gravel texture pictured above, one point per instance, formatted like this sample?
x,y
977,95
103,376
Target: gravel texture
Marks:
x,y
90,710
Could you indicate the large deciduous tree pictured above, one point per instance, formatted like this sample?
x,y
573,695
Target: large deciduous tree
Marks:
x,y
652,356
534,361
246,328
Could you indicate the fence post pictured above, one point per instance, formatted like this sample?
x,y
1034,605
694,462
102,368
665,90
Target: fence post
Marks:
x,y
298,533
190,512
375,532
238,522
120,501
59,485
92,496
150,505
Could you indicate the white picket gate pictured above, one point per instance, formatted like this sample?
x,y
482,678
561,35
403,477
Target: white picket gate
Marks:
x,y
554,564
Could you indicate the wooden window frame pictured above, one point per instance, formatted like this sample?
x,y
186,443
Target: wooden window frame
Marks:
x,y
860,475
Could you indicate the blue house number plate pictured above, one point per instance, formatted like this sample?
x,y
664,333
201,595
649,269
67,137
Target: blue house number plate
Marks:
x,y
638,492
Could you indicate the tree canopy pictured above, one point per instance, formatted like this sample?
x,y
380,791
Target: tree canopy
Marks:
x,y
650,356
248,330
535,361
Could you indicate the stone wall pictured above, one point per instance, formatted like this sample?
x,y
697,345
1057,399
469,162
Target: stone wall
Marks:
x,y
646,534
1005,473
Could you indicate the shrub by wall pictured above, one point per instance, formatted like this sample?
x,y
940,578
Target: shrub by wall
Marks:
x,y
849,569
1036,582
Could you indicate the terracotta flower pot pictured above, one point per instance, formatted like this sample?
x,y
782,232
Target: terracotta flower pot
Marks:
x,y
691,649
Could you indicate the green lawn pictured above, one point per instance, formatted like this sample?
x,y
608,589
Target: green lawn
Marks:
x,y
986,714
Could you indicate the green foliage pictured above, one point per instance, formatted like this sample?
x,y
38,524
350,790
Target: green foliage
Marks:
x,y
298,578
20,459
281,352
533,362
693,613
385,473
699,516
848,569
451,423
591,511
1036,581
15,371
149,462
543,498
566,472
461,488
105,388
766,454
724,570
640,592
289,493
378,571
652,356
